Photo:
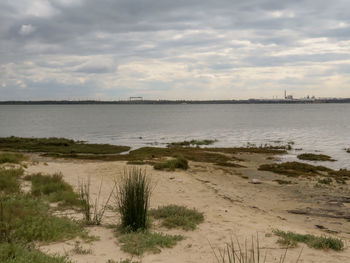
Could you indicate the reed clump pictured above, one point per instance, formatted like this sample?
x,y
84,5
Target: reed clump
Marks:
x,y
133,194
170,165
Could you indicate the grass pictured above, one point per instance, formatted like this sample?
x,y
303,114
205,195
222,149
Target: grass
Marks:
x,y
54,188
57,145
123,261
315,157
279,181
296,169
27,219
93,213
132,198
192,143
174,216
15,253
11,158
9,180
171,165
234,252
291,239
137,243
78,249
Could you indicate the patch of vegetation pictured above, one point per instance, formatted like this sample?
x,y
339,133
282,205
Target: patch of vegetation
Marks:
x,y
15,253
11,158
27,219
54,188
348,150
279,181
319,242
294,169
132,198
57,145
326,180
171,165
178,216
315,157
78,249
192,143
137,243
9,180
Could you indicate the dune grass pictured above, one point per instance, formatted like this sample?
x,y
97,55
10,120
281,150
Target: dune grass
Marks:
x,y
16,253
171,165
57,145
315,157
9,180
11,158
291,239
137,243
54,188
174,216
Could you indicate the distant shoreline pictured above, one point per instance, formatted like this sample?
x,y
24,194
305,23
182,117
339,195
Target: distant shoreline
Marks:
x,y
250,101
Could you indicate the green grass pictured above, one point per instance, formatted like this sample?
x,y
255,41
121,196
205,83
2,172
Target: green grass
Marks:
x,y
137,243
9,180
11,158
174,216
15,253
54,188
132,198
319,242
315,157
27,219
57,145
171,165
192,143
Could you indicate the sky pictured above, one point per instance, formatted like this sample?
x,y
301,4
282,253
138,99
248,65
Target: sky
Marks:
x,y
167,49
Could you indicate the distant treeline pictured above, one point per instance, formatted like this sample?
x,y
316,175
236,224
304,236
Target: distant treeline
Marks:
x,y
250,101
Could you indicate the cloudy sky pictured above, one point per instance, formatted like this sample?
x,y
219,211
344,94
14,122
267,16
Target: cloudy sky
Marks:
x,y
167,49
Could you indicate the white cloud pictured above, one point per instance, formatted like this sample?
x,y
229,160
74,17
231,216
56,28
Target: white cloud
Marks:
x,y
26,30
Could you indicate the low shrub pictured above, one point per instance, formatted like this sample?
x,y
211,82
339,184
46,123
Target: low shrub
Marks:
x,y
315,157
11,158
319,242
9,180
171,165
178,216
137,243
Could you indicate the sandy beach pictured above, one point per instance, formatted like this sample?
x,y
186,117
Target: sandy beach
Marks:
x,y
233,207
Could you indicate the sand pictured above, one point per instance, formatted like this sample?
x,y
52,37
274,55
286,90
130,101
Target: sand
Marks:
x,y
233,208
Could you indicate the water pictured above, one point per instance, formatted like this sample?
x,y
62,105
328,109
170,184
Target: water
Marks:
x,y
313,127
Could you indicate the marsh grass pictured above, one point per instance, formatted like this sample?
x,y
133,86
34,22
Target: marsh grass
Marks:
x,y
9,180
132,196
296,169
174,216
16,253
177,163
137,243
93,211
291,239
26,219
57,145
315,157
11,158
54,188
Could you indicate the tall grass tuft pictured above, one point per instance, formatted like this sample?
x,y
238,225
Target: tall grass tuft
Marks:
x,y
133,196
93,213
234,252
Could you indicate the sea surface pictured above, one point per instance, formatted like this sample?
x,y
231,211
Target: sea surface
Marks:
x,y
323,128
